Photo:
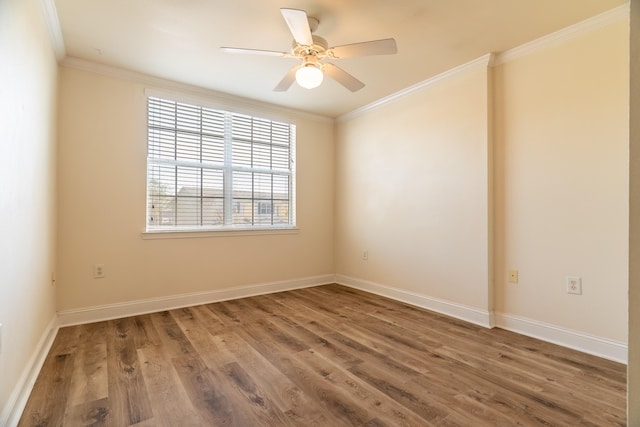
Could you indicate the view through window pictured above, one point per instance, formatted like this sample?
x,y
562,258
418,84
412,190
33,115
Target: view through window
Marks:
x,y
209,169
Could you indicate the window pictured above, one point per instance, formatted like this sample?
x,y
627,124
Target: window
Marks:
x,y
212,169
264,208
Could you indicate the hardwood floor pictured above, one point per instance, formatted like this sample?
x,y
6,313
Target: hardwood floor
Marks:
x,y
323,356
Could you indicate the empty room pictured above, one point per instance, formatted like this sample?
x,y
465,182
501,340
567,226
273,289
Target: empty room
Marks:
x,y
320,213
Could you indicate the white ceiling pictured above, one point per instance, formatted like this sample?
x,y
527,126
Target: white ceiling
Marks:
x,y
180,39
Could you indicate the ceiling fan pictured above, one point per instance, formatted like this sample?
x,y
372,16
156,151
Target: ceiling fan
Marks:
x,y
311,50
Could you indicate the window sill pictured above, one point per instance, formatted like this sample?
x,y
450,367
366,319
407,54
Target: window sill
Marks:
x,y
192,234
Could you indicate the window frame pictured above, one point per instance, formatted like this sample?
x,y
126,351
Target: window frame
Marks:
x,y
228,169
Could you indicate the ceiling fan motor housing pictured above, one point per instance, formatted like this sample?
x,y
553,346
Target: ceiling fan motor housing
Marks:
x,y
318,49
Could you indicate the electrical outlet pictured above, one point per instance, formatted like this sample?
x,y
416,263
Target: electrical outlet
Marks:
x,y
574,285
98,271
365,255
513,276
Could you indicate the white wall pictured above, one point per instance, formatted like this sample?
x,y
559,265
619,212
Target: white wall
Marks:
x,y
102,177
413,190
28,72
561,183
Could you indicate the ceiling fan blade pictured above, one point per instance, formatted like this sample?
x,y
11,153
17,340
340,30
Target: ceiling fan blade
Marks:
x,y
298,25
244,51
342,77
287,80
374,47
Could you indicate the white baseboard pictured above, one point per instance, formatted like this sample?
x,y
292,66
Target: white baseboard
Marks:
x,y
150,305
13,408
602,347
459,311
597,346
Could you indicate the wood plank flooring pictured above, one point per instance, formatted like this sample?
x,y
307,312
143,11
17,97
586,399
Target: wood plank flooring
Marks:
x,y
323,356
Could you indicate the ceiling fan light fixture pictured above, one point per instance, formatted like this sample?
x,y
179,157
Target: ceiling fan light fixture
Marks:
x,y
309,76
312,49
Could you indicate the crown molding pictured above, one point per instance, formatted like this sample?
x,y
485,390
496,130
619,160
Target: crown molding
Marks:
x,y
222,99
490,60
53,26
591,24
482,62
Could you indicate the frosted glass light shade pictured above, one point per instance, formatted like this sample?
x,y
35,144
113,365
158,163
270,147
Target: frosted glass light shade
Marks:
x,y
309,76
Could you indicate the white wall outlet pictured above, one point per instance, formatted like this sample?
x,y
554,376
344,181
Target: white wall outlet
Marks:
x,y
574,285
513,276
98,271
365,255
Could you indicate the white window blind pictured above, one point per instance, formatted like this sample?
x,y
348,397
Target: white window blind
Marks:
x,y
212,169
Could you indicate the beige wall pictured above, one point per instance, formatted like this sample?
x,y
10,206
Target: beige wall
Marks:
x,y
102,167
414,180
633,372
28,191
412,189
561,183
